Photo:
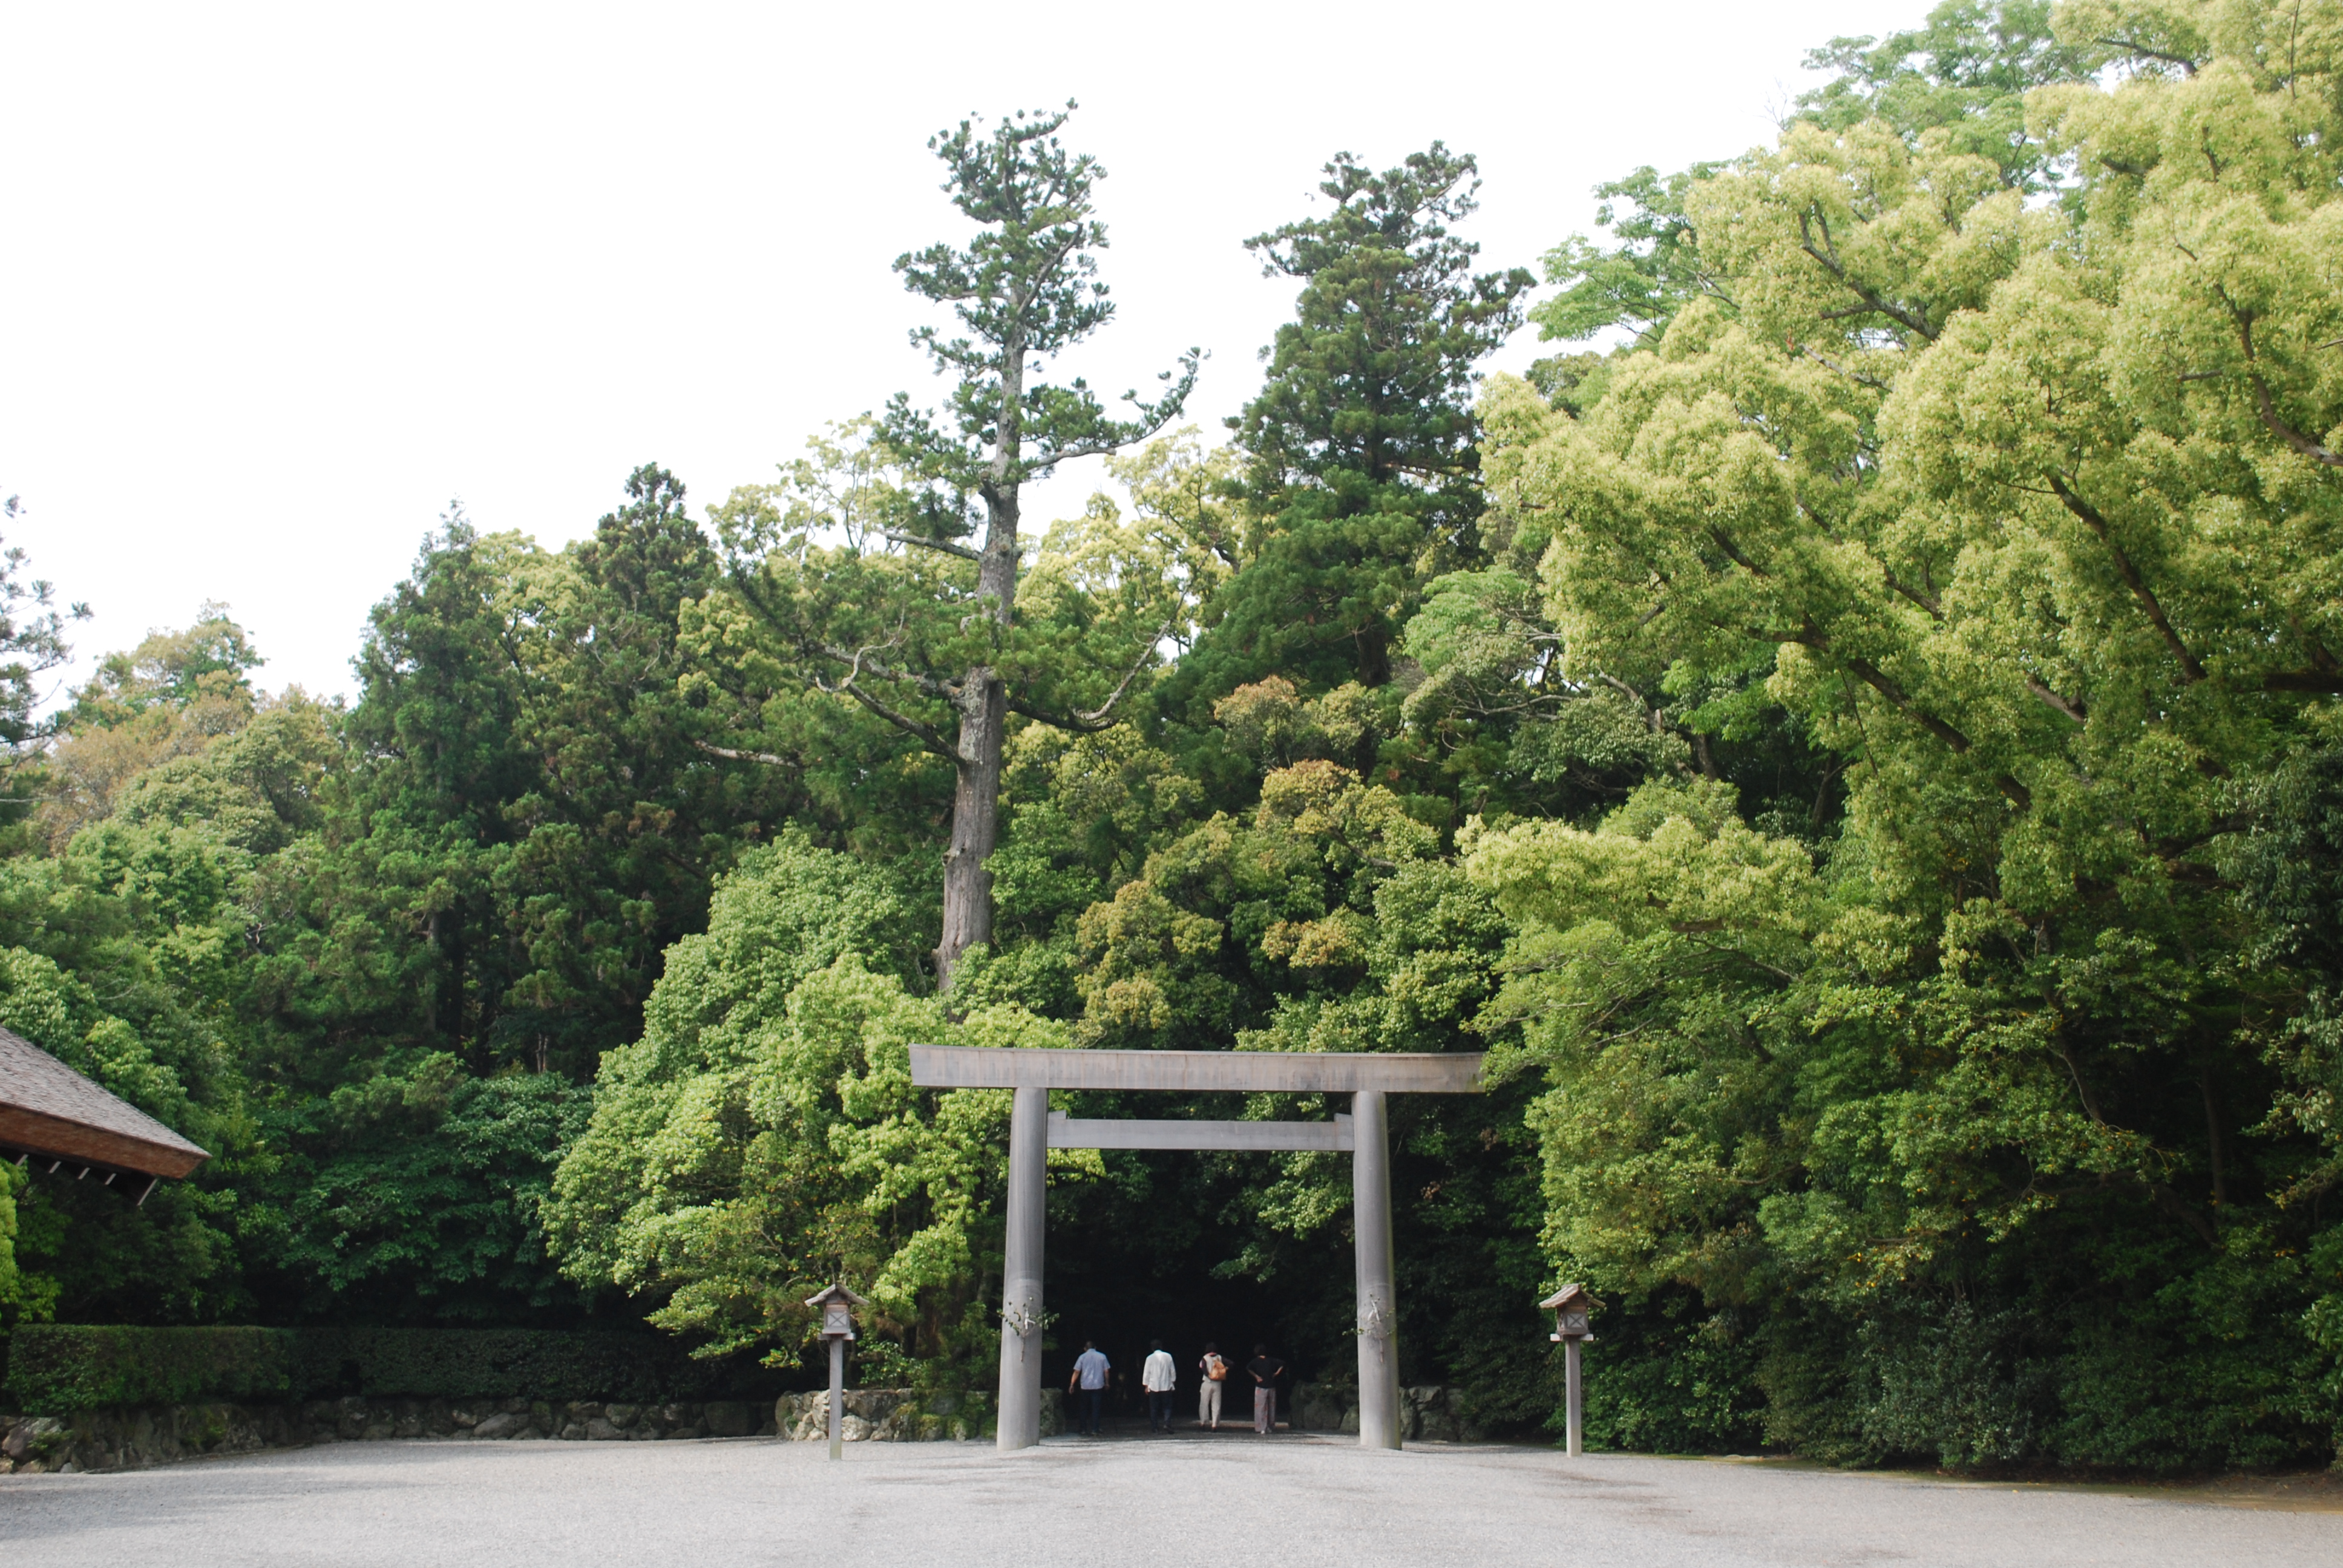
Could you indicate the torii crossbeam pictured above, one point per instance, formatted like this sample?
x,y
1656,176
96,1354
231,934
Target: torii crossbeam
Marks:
x,y
1033,1131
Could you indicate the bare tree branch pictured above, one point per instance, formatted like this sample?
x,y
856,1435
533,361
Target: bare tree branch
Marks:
x,y
2131,46
1856,377
2071,708
1880,682
941,546
1099,714
859,663
2324,674
1897,586
1724,542
1077,721
2288,433
926,734
2093,520
2263,401
767,757
1871,299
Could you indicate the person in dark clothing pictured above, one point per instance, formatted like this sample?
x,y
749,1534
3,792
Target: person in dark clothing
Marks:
x,y
1265,1369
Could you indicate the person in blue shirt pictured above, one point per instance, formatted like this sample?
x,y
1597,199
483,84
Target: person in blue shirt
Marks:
x,y
1091,1368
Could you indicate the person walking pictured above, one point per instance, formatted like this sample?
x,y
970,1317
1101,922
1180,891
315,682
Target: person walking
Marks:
x,y
1159,1377
1091,1368
1265,1369
1208,1394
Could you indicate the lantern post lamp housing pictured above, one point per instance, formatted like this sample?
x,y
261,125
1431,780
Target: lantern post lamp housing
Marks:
x,y
837,1306
1572,1307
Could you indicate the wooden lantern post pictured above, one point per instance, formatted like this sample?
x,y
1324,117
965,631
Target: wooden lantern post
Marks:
x,y
837,1306
1570,1306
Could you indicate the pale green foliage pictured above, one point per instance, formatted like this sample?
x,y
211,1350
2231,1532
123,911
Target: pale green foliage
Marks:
x,y
1297,885
1650,963
1271,723
763,1138
2058,511
1184,490
2031,513
1183,540
847,491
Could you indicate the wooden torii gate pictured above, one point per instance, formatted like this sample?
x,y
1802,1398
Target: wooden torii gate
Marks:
x,y
1033,1131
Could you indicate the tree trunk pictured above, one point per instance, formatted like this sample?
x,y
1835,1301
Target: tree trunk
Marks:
x,y
983,716
976,822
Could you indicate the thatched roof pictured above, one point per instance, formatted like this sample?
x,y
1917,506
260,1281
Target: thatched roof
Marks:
x,y
49,1112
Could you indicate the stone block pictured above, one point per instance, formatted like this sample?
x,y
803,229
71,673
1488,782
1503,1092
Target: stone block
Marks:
x,y
1321,1407
504,1423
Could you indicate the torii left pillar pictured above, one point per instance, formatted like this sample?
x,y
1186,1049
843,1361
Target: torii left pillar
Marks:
x,y
1378,1295
1021,1294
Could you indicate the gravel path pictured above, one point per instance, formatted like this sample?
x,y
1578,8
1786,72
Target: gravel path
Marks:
x,y
1166,1503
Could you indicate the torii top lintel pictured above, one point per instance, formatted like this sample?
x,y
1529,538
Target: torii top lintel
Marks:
x,y
1195,1071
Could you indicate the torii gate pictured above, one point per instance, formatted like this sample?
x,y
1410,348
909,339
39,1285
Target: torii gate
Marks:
x,y
1033,1132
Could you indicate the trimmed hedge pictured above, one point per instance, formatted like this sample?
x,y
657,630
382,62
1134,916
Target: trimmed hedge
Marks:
x,y
56,1367
63,1366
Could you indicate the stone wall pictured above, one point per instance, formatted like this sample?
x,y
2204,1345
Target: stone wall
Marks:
x,y
901,1415
1428,1413
134,1438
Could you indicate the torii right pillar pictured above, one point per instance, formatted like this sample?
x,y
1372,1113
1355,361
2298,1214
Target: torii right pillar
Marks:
x,y
1371,1215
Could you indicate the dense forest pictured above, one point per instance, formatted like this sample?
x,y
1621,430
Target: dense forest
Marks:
x,y
1856,734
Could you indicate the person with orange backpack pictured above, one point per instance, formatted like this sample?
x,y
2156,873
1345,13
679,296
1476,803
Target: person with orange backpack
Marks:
x,y
1208,1396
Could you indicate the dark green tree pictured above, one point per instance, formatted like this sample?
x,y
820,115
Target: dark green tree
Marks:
x,y
617,842
404,920
1362,451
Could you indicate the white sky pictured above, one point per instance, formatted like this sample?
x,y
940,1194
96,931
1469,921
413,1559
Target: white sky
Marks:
x,y
278,283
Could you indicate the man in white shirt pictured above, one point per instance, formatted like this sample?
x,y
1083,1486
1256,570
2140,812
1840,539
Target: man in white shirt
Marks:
x,y
1091,1368
1159,1377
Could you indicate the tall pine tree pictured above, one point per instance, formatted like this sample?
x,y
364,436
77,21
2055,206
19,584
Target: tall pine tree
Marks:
x,y
1363,456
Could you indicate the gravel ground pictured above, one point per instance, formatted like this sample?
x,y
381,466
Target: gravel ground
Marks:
x,y
1163,1504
